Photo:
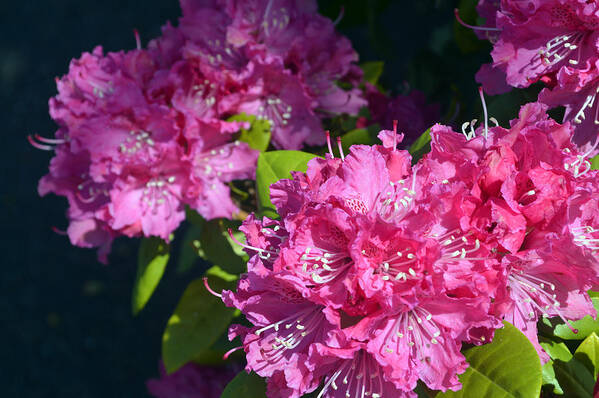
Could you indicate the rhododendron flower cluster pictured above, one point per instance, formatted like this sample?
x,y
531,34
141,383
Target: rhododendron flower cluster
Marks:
x,y
277,59
532,186
143,133
378,271
553,41
132,150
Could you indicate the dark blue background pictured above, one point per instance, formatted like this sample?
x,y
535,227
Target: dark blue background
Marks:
x,y
66,329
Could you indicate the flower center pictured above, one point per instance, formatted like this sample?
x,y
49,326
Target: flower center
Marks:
x,y
288,333
157,193
455,246
359,377
535,295
561,48
135,142
398,266
324,265
217,161
396,201
588,105
275,111
204,95
414,328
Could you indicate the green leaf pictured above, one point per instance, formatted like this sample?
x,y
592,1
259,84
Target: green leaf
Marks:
x,y
246,386
595,163
258,135
575,378
585,326
152,258
549,380
557,351
273,166
219,249
210,240
222,274
372,71
421,146
198,321
507,367
588,353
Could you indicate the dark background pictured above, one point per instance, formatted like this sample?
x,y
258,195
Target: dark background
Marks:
x,y
67,329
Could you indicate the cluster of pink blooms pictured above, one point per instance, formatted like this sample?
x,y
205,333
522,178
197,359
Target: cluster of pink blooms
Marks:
x,y
143,133
553,41
412,113
378,271
191,381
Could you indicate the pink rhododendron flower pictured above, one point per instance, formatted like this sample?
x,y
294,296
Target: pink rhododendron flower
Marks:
x,y
536,39
552,41
576,89
279,60
191,381
378,271
133,148
370,265
147,130
534,187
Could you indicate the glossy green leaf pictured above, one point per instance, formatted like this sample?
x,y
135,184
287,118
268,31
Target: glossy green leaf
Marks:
x,y
372,71
578,375
198,321
213,356
273,166
575,377
421,146
246,386
550,381
258,135
152,258
585,326
219,249
210,240
595,163
556,350
507,367
588,353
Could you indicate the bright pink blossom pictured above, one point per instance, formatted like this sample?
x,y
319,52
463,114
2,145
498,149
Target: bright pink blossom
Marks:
x,y
135,145
279,60
385,273
536,40
554,42
576,89
534,194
